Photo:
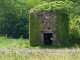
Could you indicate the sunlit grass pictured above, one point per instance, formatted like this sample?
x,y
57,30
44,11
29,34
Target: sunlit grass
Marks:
x,y
14,43
25,43
40,56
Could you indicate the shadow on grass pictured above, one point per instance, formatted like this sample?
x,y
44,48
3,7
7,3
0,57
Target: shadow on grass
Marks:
x,y
56,46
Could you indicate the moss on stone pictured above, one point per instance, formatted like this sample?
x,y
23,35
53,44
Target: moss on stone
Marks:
x,y
34,28
63,28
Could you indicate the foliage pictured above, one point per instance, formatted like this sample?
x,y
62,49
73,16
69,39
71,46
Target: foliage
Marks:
x,y
63,28
75,29
56,6
75,24
14,15
34,31
65,7
13,20
21,43
14,43
77,1
33,3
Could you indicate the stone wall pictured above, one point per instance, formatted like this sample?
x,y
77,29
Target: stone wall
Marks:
x,y
48,22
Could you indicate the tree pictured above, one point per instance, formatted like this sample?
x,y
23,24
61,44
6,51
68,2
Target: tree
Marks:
x,y
14,21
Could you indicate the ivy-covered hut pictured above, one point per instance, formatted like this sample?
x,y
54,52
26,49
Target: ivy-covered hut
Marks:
x,y
49,24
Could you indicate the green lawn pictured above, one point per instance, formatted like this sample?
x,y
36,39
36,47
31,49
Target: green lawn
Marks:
x,y
24,43
14,43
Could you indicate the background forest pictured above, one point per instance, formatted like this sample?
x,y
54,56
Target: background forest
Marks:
x,y
14,17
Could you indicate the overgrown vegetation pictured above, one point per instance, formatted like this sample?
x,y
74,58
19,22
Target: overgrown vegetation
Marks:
x,y
39,56
14,16
13,20
10,43
75,29
14,43
70,10
63,28
63,10
35,29
56,6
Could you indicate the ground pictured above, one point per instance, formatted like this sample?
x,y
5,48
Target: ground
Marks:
x,y
39,54
20,49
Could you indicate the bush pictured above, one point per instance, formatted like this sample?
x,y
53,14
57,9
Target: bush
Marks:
x,y
75,30
56,6
14,27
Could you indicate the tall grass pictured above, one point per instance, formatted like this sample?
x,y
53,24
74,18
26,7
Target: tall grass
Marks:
x,y
13,43
40,56
24,43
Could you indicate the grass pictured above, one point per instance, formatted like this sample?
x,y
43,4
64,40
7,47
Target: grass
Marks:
x,y
24,43
40,56
13,43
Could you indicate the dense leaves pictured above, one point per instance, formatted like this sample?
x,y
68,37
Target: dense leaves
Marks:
x,y
13,20
14,15
56,6
72,8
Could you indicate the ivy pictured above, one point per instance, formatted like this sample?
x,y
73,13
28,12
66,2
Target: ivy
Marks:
x,y
56,6
63,28
34,31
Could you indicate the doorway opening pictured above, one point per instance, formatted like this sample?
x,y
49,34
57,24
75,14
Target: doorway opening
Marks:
x,y
47,38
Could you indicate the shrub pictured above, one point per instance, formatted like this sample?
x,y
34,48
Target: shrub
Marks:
x,y
56,6
75,30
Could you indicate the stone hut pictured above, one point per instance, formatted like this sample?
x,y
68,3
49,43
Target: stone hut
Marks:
x,y
46,28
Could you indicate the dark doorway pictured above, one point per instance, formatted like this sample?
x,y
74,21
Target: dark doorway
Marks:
x,y
47,38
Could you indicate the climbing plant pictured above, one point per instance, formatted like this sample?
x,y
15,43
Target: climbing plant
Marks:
x,y
34,31
56,6
63,9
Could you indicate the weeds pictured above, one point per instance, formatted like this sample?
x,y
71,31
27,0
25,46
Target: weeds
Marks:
x,y
13,43
40,56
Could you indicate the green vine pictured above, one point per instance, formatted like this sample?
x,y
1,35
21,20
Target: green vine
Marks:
x,y
63,28
56,6
34,30
60,7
